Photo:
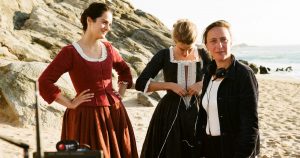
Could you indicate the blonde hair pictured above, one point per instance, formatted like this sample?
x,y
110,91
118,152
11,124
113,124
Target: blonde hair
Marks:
x,y
185,31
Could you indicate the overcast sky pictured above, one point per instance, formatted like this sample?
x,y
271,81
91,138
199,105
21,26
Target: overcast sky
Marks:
x,y
254,22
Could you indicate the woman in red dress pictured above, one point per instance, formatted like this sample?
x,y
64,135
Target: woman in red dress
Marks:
x,y
96,116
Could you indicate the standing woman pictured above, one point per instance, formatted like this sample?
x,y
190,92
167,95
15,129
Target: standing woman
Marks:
x,y
228,121
171,132
96,116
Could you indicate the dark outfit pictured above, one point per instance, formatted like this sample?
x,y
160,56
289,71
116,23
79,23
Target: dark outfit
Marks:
x,y
103,122
237,99
182,133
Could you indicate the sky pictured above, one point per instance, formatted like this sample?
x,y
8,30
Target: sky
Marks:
x,y
254,22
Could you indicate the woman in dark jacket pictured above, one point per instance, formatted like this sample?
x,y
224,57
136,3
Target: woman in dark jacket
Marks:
x,y
228,120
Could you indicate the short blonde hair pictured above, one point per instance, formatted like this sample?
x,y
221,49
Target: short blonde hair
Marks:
x,y
185,31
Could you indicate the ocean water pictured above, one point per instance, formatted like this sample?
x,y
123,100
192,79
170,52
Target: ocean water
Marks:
x,y
273,57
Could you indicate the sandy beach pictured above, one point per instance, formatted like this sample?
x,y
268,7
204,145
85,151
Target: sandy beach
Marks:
x,y
279,114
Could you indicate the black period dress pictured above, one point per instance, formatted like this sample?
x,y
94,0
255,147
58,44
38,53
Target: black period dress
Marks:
x,y
171,132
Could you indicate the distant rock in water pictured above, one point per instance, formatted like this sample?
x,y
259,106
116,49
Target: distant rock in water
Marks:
x,y
254,68
261,69
287,69
251,65
264,70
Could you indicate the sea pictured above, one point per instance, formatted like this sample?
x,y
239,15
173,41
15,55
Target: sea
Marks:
x,y
272,57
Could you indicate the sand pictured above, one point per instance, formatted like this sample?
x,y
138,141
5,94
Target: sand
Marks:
x,y
279,116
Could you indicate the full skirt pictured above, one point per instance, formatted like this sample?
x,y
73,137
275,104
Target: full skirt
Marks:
x,y
105,128
171,133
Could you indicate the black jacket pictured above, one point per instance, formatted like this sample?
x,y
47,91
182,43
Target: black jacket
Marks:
x,y
237,99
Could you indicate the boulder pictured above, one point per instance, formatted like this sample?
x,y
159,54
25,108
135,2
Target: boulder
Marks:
x,y
145,100
17,91
263,70
32,32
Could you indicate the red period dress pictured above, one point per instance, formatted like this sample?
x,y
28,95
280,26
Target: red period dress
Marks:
x,y
103,122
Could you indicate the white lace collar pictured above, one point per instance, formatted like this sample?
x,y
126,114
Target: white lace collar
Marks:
x,y
84,56
172,60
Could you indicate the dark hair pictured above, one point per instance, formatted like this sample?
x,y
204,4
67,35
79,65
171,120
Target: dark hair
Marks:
x,y
219,23
94,11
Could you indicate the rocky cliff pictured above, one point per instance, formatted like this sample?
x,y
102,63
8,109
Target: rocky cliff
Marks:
x,y
33,31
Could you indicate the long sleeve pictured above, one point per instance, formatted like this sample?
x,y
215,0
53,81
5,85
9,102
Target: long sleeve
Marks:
x,y
150,71
61,64
120,66
248,135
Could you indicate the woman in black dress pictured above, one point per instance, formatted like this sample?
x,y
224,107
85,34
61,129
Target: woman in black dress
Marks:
x,y
171,132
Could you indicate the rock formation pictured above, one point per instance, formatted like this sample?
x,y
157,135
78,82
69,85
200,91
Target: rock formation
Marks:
x,y
33,31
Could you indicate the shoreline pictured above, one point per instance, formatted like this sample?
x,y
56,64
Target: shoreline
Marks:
x,y
278,77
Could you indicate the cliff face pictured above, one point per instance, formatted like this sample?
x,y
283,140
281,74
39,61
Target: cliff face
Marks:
x,y
33,31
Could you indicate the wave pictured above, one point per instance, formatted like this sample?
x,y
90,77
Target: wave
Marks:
x,y
272,56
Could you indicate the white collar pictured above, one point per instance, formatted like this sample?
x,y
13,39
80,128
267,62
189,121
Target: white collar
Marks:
x,y
84,56
172,60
